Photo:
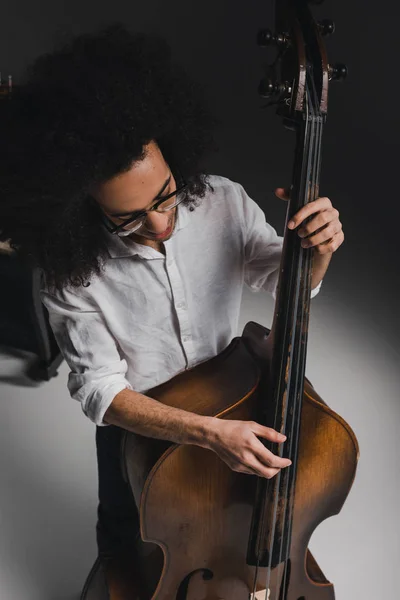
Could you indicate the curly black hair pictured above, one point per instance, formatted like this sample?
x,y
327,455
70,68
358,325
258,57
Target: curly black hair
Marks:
x,y
84,115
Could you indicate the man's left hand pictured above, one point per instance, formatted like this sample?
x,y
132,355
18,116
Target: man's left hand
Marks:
x,y
323,231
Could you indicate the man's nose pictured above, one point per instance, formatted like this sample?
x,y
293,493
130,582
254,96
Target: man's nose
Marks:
x,y
157,222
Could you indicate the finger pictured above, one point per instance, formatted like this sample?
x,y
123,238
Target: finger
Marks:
x,y
319,205
283,193
258,468
323,237
267,433
319,221
330,245
269,459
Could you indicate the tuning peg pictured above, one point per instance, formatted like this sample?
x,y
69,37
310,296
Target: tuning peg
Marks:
x,y
265,38
326,27
269,88
337,72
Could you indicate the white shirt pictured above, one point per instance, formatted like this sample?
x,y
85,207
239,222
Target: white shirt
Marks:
x,y
148,317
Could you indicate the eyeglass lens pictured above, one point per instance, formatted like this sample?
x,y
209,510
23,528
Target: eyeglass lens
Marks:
x,y
165,206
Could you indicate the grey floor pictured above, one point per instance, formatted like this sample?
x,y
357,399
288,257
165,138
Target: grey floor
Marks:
x,y
48,467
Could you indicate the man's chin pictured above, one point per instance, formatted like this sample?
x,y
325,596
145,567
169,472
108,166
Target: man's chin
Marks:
x,y
143,238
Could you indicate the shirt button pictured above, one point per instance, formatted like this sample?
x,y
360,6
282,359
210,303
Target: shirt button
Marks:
x,y
186,338
181,305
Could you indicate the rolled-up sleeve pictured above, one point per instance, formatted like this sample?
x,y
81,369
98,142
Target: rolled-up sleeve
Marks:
x,y
263,249
91,352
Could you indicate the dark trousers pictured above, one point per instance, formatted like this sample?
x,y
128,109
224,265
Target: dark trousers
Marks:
x,y
117,515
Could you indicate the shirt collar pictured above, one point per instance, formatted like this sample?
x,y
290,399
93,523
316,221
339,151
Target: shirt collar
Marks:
x,y
121,247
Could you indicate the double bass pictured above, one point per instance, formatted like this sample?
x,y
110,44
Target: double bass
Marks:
x,y
207,532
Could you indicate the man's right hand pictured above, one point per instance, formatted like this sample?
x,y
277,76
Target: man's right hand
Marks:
x,y
237,444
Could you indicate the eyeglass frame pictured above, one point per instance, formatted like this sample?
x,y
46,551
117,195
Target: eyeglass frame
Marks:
x,y
142,213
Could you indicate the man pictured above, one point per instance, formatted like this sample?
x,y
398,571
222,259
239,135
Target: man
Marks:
x,y
144,256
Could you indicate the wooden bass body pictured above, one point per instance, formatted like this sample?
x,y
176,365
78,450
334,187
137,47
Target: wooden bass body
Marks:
x,y
195,512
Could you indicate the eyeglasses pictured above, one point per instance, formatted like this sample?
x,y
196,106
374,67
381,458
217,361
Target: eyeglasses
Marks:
x,y
138,218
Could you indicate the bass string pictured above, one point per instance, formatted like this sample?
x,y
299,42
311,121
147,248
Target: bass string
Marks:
x,y
313,184
299,339
313,178
300,342
280,481
278,478
293,382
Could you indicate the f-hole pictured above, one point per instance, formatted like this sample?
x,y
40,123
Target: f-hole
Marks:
x,y
184,586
